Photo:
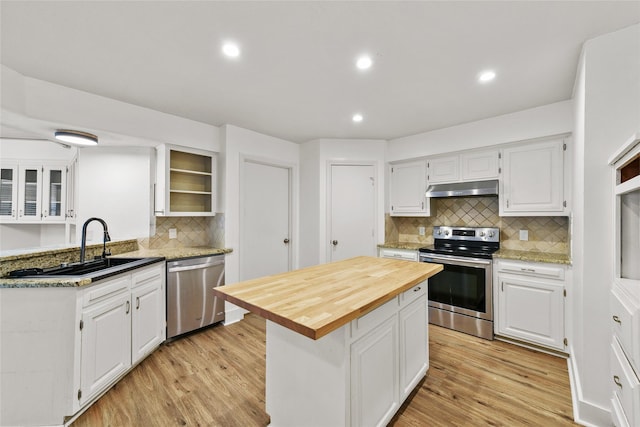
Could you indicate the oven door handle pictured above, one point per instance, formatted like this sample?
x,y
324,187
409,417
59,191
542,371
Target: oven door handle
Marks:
x,y
450,259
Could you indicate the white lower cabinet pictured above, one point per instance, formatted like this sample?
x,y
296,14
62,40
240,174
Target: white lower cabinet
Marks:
x,y
358,375
530,302
122,322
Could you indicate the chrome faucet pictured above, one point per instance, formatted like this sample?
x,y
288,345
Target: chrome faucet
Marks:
x,y
106,238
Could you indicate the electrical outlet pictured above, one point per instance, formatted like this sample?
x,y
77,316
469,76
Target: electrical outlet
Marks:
x,y
421,231
173,233
524,234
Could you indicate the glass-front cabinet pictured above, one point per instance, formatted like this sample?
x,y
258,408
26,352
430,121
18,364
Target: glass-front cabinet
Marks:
x,y
8,191
30,193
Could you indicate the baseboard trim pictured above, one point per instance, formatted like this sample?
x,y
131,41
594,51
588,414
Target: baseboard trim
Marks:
x,y
233,314
584,412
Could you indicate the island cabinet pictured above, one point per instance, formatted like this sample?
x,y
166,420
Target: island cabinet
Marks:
x,y
347,342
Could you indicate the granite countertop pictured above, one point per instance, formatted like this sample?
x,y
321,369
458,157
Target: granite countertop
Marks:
x,y
317,300
533,256
175,253
412,246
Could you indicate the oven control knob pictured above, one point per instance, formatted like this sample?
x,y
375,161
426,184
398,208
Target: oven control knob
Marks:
x,y
491,234
482,234
446,233
439,232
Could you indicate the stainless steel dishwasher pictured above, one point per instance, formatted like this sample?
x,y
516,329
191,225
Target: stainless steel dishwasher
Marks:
x,y
190,301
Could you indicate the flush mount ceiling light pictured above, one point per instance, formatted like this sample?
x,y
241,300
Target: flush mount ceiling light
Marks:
x,y
364,62
76,137
486,76
357,118
231,50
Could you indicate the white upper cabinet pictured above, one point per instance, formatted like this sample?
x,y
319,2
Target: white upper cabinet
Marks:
x,y
408,182
185,182
444,169
33,192
9,191
533,182
479,165
472,165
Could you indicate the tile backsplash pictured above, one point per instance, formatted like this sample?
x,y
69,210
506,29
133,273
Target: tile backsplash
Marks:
x,y
191,231
546,234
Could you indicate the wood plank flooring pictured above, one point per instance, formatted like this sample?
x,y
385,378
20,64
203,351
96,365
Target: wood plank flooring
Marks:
x,y
216,378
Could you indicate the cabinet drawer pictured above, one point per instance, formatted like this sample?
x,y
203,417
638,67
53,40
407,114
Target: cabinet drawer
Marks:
x,y
625,384
365,323
146,275
106,289
625,320
412,294
532,269
399,254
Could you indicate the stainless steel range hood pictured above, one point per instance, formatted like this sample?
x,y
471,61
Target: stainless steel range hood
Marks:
x,y
461,189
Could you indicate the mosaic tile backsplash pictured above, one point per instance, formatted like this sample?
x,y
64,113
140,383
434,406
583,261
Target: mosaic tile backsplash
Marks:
x,y
192,231
546,234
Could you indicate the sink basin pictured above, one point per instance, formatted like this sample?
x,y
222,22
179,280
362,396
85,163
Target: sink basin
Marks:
x,y
86,268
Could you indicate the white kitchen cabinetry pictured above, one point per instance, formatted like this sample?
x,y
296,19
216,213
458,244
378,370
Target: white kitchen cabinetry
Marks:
x,y
533,181
408,182
406,254
479,165
72,189
185,182
443,169
358,375
530,302
122,322
33,193
8,191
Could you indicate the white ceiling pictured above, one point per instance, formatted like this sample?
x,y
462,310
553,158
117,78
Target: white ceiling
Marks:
x,y
296,78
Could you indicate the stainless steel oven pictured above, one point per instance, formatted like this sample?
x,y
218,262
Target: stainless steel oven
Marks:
x,y
461,296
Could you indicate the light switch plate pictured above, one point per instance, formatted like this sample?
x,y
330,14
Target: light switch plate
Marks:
x,y
421,231
524,234
173,233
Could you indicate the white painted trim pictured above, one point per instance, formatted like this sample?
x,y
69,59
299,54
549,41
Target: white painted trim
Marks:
x,y
584,412
232,313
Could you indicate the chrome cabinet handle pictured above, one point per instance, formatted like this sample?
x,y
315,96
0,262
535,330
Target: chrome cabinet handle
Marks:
x,y
617,319
137,303
334,243
286,241
616,379
128,307
530,270
417,289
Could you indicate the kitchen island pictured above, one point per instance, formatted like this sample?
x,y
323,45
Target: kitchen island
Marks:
x,y
346,341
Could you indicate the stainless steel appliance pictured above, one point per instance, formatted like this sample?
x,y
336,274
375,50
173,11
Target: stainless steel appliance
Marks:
x,y
190,301
461,296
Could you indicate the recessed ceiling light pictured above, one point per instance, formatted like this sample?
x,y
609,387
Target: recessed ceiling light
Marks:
x,y
357,117
364,62
486,76
76,137
231,50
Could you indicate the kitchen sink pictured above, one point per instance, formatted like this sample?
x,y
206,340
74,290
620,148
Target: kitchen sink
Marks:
x,y
107,265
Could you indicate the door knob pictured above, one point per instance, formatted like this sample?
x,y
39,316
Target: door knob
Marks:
x,y
286,241
334,242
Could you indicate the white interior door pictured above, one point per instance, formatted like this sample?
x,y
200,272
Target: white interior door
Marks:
x,y
352,211
265,230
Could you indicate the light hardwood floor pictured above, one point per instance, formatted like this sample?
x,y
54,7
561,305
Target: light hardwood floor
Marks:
x,y
216,378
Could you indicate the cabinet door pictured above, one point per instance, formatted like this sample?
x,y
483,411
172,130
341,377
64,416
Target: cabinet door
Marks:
x,y
105,345
407,189
30,193
54,193
479,165
531,310
70,210
533,181
8,192
148,314
414,345
444,169
374,376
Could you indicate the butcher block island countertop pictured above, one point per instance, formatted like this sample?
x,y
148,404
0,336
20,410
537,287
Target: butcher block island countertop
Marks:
x,y
317,300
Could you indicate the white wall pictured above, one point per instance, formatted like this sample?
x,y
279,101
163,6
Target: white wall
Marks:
x,y
536,122
315,158
607,94
115,184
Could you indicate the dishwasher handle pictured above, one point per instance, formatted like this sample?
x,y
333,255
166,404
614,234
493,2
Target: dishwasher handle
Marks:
x,y
195,267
